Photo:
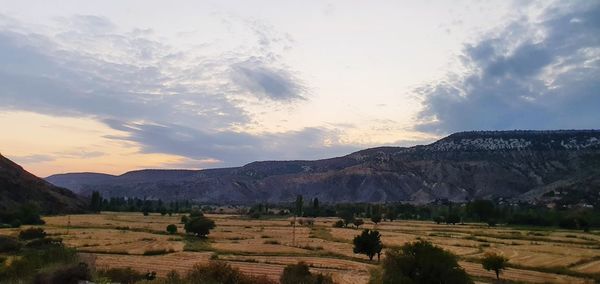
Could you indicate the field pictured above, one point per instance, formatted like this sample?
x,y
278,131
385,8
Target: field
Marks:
x,y
264,247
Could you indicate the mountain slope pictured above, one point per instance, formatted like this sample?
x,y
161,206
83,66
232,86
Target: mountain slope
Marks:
x,y
18,186
521,165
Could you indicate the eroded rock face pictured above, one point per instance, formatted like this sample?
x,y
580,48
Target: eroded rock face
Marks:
x,y
467,165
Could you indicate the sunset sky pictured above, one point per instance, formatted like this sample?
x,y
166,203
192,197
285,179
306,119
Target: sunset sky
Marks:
x,y
113,86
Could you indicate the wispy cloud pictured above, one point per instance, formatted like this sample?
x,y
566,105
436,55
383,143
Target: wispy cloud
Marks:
x,y
537,73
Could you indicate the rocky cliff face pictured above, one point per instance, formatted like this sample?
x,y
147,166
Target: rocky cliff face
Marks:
x,y
509,164
18,186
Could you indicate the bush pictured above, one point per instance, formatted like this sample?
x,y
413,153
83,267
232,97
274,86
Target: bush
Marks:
x,y
216,272
8,244
299,273
196,213
32,233
339,224
32,260
172,229
122,275
71,274
184,219
422,262
16,223
44,243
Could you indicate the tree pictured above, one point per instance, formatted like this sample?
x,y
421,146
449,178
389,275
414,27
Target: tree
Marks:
x,y
452,218
347,216
481,210
96,202
369,243
172,229
299,205
495,262
199,226
358,222
422,262
376,218
391,214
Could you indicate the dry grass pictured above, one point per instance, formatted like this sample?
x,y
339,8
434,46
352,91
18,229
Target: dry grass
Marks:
x,y
264,247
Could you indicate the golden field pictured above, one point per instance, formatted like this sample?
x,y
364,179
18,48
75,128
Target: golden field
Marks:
x,y
264,247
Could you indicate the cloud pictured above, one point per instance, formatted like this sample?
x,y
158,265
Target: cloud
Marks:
x,y
33,159
276,84
233,148
164,99
534,74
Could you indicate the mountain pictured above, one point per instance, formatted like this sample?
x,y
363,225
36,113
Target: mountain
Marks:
x,y
517,165
18,186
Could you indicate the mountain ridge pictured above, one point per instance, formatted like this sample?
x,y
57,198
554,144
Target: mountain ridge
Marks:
x,y
18,186
461,166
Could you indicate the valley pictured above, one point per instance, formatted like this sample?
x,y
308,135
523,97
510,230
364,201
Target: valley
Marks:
x,y
265,246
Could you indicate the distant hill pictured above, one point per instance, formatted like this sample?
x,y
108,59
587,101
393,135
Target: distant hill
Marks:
x,y
516,165
18,186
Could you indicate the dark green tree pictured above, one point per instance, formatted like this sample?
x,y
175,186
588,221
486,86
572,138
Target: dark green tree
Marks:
x,y
494,262
96,202
422,262
369,243
481,210
199,226
391,214
376,218
358,222
347,216
299,205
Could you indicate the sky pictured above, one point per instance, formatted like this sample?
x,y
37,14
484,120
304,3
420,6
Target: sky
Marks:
x,y
114,86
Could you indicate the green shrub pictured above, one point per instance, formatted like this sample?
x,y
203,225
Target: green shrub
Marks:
x,y
216,272
16,223
172,229
300,273
184,219
122,275
70,274
8,244
32,233
339,224
44,243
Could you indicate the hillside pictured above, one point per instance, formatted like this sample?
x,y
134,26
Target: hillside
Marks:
x,y
17,186
517,165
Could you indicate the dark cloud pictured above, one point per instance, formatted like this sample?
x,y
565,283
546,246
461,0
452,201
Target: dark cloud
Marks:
x,y
532,75
277,84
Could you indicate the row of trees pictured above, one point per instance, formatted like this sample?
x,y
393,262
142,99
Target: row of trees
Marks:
x,y
134,204
441,212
